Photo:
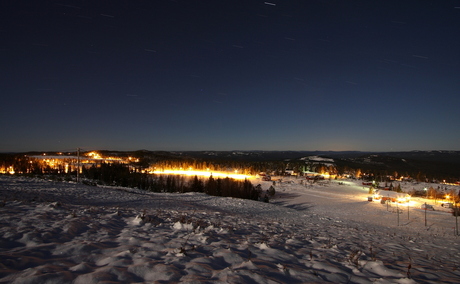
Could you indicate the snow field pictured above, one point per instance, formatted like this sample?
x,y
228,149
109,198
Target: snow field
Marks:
x,y
67,233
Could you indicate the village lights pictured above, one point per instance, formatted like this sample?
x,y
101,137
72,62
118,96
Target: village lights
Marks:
x,y
392,196
49,163
402,200
94,155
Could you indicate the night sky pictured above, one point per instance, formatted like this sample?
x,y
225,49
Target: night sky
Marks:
x,y
380,75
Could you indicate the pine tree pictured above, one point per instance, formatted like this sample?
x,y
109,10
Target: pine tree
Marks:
x,y
211,186
197,185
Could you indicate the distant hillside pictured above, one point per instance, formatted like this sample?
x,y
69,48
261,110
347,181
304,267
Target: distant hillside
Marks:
x,y
259,156
417,164
430,164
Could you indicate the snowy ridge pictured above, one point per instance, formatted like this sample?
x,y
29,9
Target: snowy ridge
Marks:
x,y
67,233
317,159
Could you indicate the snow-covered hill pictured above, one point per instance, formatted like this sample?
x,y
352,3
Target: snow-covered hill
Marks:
x,y
322,233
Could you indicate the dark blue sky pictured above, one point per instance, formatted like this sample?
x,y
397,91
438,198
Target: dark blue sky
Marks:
x,y
379,75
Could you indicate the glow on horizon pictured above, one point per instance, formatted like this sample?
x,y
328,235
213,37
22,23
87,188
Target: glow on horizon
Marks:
x,y
207,174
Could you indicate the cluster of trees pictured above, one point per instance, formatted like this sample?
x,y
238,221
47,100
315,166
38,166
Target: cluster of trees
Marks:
x,y
120,175
441,193
243,167
19,163
382,168
23,164
227,187
130,175
389,187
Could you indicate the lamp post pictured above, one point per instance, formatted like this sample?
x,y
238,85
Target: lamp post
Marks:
x,y
78,164
408,210
456,218
425,213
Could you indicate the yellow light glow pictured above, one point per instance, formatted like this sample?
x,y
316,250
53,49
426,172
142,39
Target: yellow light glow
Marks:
x,y
406,199
402,200
201,173
94,155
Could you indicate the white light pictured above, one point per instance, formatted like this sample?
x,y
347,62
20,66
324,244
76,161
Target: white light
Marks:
x,y
201,173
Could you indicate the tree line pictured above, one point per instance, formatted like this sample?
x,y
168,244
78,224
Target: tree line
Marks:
x,y
120,175
381,170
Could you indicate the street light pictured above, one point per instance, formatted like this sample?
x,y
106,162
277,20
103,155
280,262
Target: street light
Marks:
x,y
426,192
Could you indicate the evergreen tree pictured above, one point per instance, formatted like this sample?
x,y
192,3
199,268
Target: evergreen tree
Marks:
x,y
219,187
371,189
271,190
211,186
170,184
197,185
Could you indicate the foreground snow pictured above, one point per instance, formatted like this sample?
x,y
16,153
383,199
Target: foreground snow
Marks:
x,y
61,233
